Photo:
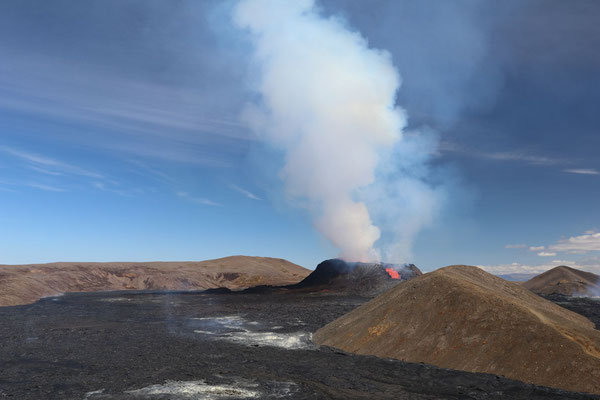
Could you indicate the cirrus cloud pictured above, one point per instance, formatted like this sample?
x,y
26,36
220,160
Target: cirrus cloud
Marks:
x,y
582,171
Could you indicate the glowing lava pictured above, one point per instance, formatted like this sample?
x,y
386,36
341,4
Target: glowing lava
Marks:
x,y
393,273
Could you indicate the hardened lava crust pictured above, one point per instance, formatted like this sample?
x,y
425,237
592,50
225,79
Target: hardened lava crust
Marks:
x,y
191,345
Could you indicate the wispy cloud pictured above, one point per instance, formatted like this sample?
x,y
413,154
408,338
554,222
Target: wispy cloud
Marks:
x,y
546,254
44,171
35,185
58,173
582,171
245,192
47,188
113,188
110,101
176,122
142,168
49,165
536,248
198,200
520,156
515,246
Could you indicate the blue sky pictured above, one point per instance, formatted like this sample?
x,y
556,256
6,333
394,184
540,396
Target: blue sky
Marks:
x,y
121,137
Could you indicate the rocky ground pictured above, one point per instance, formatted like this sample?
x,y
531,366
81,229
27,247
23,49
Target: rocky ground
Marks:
x,y
156,345
587,306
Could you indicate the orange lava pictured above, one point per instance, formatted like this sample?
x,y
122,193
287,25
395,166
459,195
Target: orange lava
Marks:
x,y
393,273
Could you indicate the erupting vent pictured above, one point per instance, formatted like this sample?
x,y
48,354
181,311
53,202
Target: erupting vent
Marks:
x,y
356,277
393,273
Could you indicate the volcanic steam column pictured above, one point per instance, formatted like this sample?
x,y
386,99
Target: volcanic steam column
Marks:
x,y
328,102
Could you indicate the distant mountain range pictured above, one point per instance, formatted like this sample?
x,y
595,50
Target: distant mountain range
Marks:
x,y
22,284
519,277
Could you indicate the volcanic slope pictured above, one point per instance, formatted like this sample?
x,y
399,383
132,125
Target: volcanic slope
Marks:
x,y
368,279
463,318
22,284
566,281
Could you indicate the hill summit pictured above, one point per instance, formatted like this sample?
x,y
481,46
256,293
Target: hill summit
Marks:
x,y
566,281
464,318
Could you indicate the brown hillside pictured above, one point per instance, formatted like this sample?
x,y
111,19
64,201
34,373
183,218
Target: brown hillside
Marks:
x,y
463,318
22,284
564,280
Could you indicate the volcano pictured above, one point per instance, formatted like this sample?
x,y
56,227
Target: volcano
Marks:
x,y
566,281
464,318
356,277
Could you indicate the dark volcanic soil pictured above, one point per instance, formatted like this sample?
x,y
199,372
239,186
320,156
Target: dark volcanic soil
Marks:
x,y
587,306
197,346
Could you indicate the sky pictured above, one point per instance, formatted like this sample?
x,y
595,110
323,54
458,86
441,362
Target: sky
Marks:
x,y
124,133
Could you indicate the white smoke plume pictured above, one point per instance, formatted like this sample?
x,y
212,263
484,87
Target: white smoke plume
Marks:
x,y
329,102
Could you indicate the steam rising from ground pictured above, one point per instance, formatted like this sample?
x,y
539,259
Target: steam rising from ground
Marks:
x,y
328,101
590,292
196,390
237,330
237,388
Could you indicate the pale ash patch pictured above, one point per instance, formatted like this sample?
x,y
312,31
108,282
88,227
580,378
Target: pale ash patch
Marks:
x,y
115,299
292,341
236,329
93,394
198,390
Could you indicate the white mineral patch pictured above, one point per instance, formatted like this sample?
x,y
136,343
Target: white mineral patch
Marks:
x,y
225,319
244,332
200,390
585,296
53,297
297,340
115,299
197,390
92,394
231,321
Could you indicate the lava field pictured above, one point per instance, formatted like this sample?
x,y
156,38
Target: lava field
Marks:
x,y
190,345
